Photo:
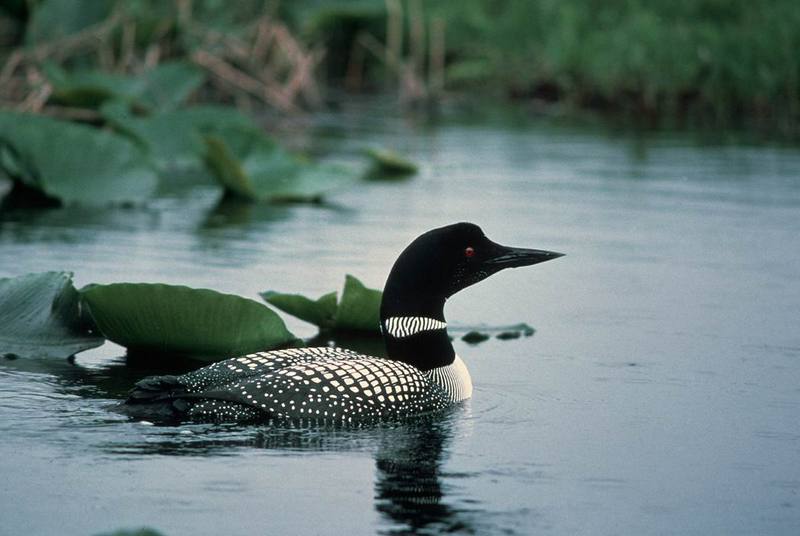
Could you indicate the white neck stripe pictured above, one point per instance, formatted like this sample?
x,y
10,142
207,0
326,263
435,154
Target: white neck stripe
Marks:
x,y
406,326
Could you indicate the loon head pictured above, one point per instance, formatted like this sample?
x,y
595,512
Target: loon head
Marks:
x,y
436,265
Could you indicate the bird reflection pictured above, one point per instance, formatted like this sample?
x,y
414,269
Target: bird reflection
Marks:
x,y
408,487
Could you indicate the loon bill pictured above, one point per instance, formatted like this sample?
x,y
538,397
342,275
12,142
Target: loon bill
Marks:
x,y
421,374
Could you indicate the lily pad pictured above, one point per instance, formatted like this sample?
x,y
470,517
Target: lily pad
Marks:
x,y
252,167
168,319
73,163
174,139
389,164
40,316
52,20
358,309
164,87
320,312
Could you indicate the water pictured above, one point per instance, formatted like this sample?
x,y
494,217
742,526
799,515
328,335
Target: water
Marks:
x,y
659,395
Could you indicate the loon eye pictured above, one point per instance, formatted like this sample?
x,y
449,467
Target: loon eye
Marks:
x,y
469,252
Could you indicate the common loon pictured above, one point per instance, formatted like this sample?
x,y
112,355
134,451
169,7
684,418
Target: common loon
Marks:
x,y
421,374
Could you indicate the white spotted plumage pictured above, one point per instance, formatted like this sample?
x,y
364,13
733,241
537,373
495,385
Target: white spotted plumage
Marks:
x,y
325,383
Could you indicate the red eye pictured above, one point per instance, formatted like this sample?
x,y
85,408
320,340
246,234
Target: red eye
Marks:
x,y
469,252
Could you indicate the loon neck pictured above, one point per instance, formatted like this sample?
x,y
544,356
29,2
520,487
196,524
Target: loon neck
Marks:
x,y
414,328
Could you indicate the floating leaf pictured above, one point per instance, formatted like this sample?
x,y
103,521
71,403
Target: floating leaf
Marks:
x,y
251,166
73,163
52,20
359,308
478,334
388,164
162,88
474,337
40,316
174,139
201,323
320,312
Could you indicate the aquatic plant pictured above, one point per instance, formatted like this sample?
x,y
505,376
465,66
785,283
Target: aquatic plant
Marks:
x,y
174,139
162,88
40,316
72,163
253,167
154,318
357,310
387,163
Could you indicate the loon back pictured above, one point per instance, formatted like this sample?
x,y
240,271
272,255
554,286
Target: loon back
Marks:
x,y
421,374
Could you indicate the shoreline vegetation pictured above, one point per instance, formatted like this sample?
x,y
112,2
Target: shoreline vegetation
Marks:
x,y
710,61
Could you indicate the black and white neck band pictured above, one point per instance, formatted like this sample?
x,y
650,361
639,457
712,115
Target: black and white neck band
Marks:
x,y
406,326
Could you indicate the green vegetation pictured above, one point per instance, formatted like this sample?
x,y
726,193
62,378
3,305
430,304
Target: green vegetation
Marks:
x,y
72,163
167,319
40,316
726,57
387,164
357,311
43,315
252,167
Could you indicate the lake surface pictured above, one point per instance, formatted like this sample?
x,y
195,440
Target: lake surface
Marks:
x,y
659,395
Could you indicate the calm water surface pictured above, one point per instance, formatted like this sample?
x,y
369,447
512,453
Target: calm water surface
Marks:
x,y
659,395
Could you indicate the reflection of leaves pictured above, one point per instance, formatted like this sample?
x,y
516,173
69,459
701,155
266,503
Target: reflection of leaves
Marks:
x,y
201,323
73,163
251,166
133,532
173,139
40,317
162,88
358,310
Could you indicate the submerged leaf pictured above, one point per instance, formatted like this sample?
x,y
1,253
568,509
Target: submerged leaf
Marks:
x,y
174,139
40,317
388,164
73,163
320,312
251,166
201,323
162,88
359,308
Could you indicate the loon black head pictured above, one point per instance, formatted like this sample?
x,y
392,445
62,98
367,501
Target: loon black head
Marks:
x,y
432,268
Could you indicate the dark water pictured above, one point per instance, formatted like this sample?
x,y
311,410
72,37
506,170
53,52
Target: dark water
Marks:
x,y
659,395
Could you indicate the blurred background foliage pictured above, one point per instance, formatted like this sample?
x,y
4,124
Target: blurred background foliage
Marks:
x,y
721,59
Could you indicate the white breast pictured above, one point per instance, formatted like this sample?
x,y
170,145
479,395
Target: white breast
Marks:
x,y
454,379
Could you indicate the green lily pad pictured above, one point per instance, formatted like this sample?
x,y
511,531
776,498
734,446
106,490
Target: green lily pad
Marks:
x,y
73,163
252,167
358,309
52,20
40,316
174,139
168,319
163,88
389,164
320,312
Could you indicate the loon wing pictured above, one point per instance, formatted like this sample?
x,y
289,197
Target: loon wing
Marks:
x,y
257,364
345,390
